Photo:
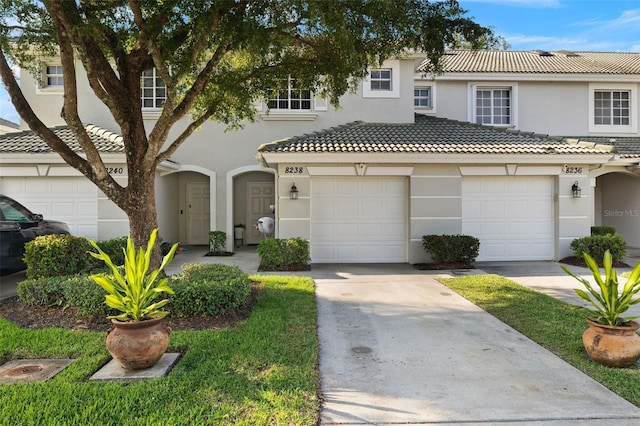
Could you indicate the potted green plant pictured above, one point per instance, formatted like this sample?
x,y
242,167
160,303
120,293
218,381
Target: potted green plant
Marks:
x,y
611,339
138,339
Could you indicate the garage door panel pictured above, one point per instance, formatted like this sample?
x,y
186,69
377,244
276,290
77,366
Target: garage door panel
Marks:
x,y
511,215
72,200
358,219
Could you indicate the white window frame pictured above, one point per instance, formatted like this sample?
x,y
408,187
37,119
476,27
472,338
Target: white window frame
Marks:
x,y
57,76
155,98
429,98
632,127
513,107
317,104
394,92
42,79
290,99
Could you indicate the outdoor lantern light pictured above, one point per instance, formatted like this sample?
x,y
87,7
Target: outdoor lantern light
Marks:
x,y
293,194
575,190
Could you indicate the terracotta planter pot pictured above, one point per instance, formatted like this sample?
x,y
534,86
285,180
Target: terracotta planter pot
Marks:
x,y
138,344
613,346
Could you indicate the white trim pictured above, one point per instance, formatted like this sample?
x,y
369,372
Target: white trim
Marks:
x,y
472,88
633,108
394,65
287,115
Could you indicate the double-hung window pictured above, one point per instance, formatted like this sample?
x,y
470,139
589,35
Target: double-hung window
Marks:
x,y
53,76
612,108
153,91
380,79
291,98
422,97
493,106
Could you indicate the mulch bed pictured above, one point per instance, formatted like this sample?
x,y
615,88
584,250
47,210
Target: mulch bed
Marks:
x,y
39,317
576,261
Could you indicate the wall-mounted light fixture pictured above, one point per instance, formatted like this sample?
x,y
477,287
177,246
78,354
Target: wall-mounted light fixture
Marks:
x,y
575,190
293,194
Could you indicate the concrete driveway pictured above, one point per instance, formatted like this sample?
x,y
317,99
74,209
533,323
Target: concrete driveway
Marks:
x,y
397,347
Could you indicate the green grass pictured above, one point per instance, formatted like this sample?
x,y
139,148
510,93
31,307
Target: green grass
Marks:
x,y
263,372
551,323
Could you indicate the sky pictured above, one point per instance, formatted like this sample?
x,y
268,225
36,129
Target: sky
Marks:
x,y
577,25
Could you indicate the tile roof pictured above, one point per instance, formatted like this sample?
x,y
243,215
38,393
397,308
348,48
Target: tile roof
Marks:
x,y
625,147
29,142
429,135
559,62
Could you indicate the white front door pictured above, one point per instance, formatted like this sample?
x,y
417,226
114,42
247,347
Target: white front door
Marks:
x,y
198,213
260,195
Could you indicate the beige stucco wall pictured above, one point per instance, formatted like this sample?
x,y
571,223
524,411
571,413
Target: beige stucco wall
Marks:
x,y
557,108
435,202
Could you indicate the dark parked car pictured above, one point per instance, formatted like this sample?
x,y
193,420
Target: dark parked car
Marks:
x,y
17,227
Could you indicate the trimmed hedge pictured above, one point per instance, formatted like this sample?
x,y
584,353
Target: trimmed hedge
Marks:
x,y
57,255
596,245
61,255
78,291
603,230
291,254
202,289
452,248
208,289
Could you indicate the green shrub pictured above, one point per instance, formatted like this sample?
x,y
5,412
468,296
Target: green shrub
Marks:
x,y
78,291
596,245
114,248
283,254
451,248
209,289
217,241
603,230
56,255
45,291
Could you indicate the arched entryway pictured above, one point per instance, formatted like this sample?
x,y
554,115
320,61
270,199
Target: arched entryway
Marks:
x,y
618,204
250,195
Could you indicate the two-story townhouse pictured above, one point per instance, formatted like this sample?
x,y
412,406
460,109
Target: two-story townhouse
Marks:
x,y
370,178
590,96
213,181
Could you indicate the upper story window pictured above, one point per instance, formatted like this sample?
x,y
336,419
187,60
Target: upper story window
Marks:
x,y
422,97
612,108
53,76
292,98
383,82
493,106
153,91
380,79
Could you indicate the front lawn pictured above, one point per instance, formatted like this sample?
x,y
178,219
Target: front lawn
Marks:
x,y
262,372
551,323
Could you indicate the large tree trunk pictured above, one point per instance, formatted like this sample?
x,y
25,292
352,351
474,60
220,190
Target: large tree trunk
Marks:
x,y
140,208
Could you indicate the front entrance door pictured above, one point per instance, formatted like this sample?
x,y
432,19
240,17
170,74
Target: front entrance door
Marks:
x,y
260,195
198,213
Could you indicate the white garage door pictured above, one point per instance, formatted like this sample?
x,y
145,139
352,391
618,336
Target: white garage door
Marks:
x,y
358,220
511,215
72,200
